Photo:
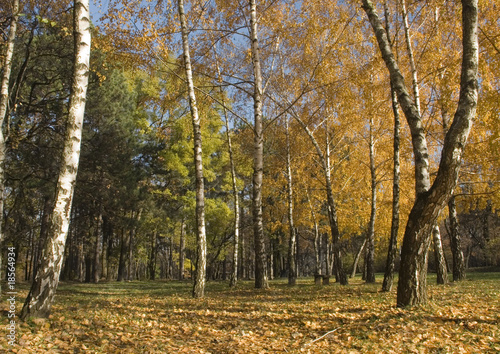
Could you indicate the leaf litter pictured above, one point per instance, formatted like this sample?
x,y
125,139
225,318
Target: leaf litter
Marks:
x,y
161,317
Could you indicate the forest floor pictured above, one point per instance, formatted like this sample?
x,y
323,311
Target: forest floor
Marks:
x,y
161,317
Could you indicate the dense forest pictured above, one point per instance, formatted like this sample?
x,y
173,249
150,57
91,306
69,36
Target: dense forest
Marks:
x,y
227,140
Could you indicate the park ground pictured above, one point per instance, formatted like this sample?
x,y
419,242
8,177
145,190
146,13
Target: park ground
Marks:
x,y
162,317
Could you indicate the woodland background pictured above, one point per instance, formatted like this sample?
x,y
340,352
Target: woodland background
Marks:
x,y
134,203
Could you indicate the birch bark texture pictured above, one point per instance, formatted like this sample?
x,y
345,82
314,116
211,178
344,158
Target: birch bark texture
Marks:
x,y
438,250
392,251
41,295
370,244
441,267
234,274
4,105
182,246
201,238
236,241
292,244
429,203
261,276
317,238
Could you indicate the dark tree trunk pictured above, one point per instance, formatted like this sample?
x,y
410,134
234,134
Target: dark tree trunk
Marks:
x,y
123,258
109,249
88,268
317,240
30,262
181,250
80,259
96,276
171,258
456,243
44,229
152,255
107,242
328,268
130,251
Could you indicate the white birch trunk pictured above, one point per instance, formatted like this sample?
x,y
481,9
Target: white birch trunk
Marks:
x,y
393,240
413,67
234,275
261,277
356,259
410,109
370,244
40,298
182,249
396,175
4,103
416,98
201,248
292,245
441,268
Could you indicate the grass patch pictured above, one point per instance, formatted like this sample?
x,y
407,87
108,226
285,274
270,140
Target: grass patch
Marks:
x,y
161,317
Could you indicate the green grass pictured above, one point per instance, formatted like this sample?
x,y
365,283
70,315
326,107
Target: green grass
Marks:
x,y
162,317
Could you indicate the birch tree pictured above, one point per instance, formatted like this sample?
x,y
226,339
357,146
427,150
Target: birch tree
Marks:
x,y
236,243
430,200
370,244
324,158
261,277
292,245
41,295
4,104
201,238
234,275
317,238
396,175
436,235
441,268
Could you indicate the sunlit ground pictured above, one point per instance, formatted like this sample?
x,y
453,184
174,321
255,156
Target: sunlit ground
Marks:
x,y
161,317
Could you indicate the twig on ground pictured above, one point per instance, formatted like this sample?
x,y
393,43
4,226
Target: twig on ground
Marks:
x,y
323,336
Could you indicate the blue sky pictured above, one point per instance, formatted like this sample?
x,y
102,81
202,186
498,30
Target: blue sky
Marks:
x,y
94,9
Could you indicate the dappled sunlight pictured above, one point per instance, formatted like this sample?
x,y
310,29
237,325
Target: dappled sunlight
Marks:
x,y
159,317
